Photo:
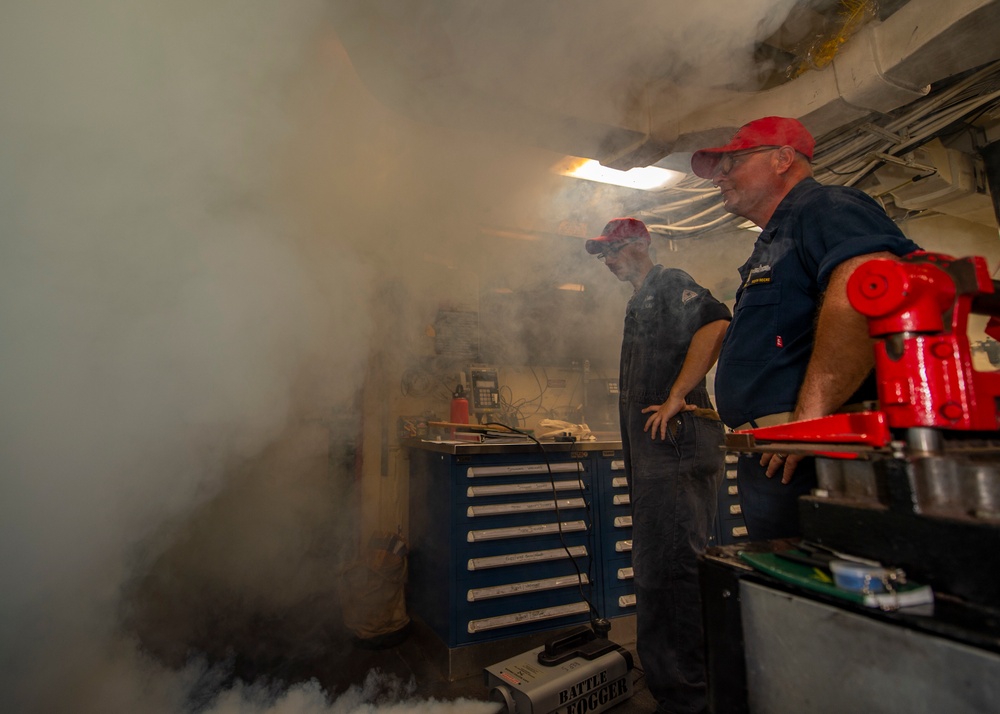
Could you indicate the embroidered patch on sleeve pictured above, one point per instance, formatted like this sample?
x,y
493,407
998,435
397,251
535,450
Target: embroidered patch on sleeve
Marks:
x,y
688,295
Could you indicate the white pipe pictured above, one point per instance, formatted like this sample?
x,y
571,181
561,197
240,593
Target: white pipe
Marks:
x,y
883,67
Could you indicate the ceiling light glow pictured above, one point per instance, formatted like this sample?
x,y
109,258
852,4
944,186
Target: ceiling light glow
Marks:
x,y
646,178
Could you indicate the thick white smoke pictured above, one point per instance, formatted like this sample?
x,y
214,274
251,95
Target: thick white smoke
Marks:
x,y
163,318
378,694
200,206
203,216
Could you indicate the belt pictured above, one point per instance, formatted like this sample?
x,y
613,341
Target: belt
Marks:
x,y
785,417
766,420
706,414
675,424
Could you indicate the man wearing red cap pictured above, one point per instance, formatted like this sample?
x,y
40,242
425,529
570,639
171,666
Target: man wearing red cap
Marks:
x,y
672,445
796,349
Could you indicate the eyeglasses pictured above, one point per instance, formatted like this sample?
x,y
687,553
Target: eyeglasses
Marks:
x,y
728,162
615,249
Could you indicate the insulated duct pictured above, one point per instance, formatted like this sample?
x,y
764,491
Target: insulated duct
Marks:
x,y
884,66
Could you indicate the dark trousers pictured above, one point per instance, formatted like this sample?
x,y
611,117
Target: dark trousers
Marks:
x,y
770,508
673,486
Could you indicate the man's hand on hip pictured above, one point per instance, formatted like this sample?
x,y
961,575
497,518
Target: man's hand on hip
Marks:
x,y
663,413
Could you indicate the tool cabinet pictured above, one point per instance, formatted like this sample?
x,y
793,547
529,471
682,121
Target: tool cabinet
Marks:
x,y
487,557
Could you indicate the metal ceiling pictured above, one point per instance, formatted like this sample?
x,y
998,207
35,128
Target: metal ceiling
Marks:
x,y
648,82
882,154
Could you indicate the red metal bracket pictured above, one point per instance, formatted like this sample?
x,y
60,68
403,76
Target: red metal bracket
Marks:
x,y
865,428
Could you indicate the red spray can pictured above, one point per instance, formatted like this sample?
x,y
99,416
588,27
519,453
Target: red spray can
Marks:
x,y
459,406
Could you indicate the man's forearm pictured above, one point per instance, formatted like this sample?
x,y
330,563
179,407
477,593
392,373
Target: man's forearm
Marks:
x,y
841,360
701,355
842,350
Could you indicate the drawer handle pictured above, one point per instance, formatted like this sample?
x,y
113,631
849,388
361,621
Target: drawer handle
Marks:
x,y
530,586
482,471
524,531
507,489
523,507
535,556
519,618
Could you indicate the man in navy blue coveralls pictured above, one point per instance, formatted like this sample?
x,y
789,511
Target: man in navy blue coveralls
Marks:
x,y
796,349
672,444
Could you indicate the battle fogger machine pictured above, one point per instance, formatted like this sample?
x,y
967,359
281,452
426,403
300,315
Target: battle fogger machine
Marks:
x,y
575,673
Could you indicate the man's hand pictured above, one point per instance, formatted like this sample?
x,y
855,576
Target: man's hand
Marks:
x,y
663,413
786,464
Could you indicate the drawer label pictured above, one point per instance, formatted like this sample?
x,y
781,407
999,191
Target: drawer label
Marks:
x,y
525,507
524,531
534,556
530,586
506,489
482,471
517,618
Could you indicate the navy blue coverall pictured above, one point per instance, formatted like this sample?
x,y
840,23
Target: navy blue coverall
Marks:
x,y
673,483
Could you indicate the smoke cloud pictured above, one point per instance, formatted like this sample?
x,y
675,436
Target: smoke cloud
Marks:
x,y
163,323
378,694
208,225
205,220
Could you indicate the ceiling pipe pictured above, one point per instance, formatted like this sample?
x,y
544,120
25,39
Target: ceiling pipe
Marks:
x,y
883,67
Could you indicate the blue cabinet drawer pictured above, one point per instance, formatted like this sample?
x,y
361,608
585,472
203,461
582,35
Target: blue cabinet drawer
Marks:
x,y
516,598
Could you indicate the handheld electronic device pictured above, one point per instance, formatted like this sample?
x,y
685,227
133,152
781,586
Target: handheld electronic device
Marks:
x,y
484,389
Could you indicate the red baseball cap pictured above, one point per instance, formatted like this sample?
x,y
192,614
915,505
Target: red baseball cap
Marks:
x,y
618,230
769,131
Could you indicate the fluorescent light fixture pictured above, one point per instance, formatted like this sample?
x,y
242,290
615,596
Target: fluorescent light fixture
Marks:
x,y
647,178
574,287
